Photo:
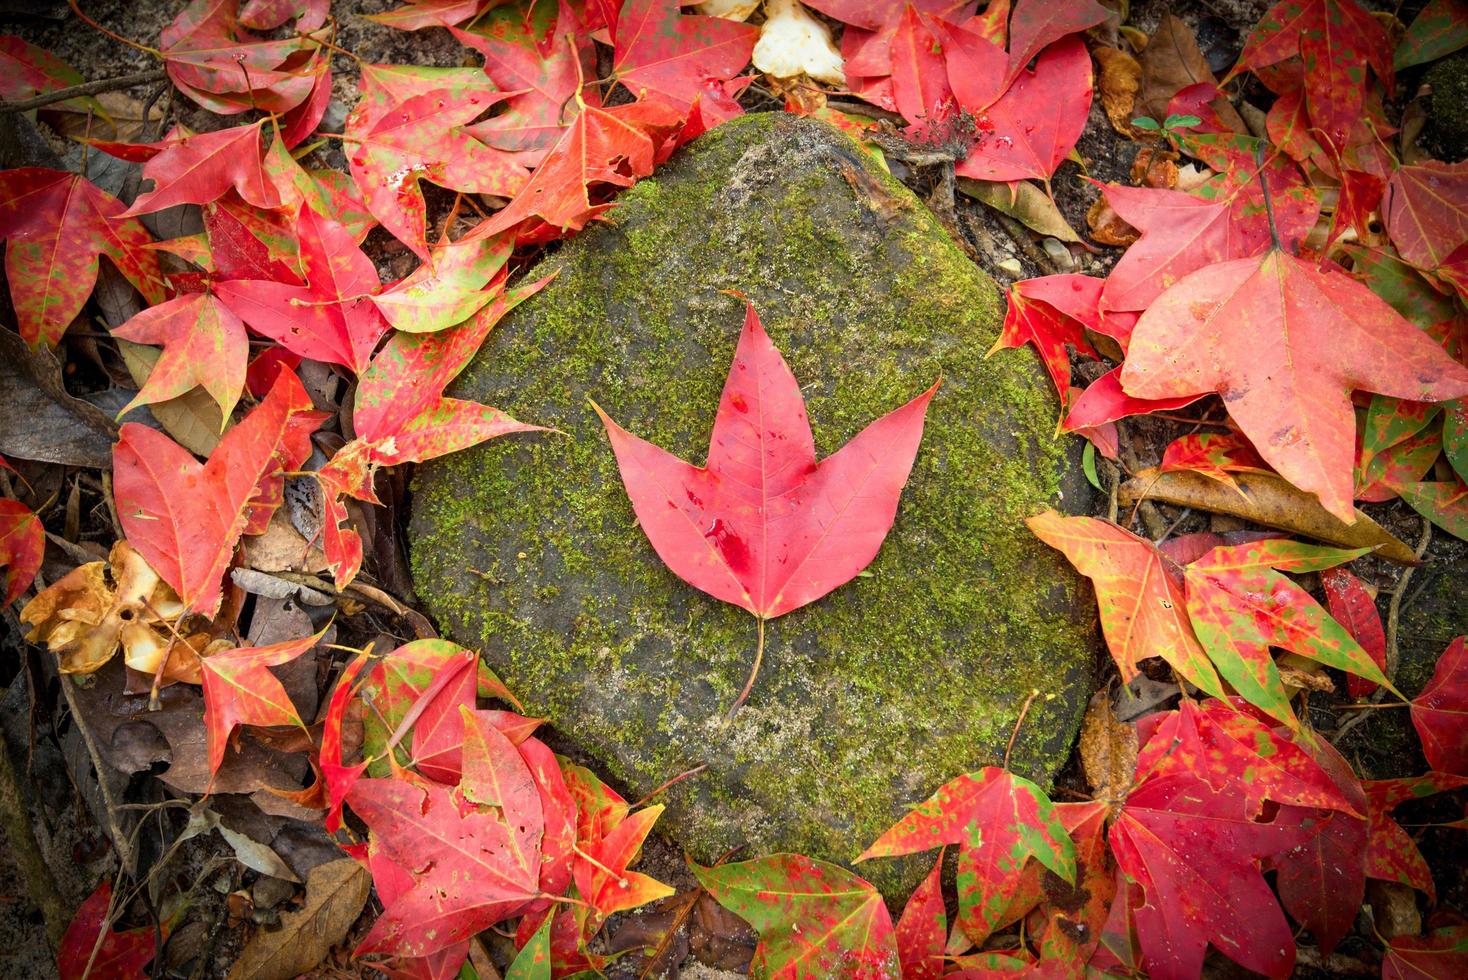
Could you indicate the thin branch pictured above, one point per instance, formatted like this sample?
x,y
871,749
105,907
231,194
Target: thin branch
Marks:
x,y
86,88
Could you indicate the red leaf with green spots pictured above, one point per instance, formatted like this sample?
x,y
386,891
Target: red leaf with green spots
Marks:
x,y
56,225
1053,313
448,288
335,773
26,70
1067,925
122,953
1455,436
1444,504
1439,30
1398,446
204,344
1426,211
1355,608
1139,592
227,70
1440,712
599,808
1241,181
392,881
473,851
764,525
814,919
1442,954
22,546
185,518
1241,606
601,148
666,56
533,962
391,148
922,931
1336,40
1285,342
1000,821
1217,455
1391,854
239,689
332,317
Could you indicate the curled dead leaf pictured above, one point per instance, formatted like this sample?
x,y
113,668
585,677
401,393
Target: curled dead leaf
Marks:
x,y
1024,201
1173,61
1107,227
86,615
1269,500
1155,167
1118,81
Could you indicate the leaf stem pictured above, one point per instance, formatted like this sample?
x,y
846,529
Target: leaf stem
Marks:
x,y
1264,189
671,783
1023,710
1372,706
759,656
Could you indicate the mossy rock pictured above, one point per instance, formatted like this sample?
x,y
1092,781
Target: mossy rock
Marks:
x,y
870,698
1447,118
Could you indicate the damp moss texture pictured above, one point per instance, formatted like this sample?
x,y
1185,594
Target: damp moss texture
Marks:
x,y
527,548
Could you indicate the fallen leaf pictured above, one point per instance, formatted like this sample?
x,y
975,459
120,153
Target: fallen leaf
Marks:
x,y
1000,821
1391,854
813,918
1266,499
1285,343
1108,750
57,224
201,167
763,525
1355,608
664,55
1426,211
239,689
1439,30
1139,592
1441,954
227,70
121,954
1024,201
204,345
186,518
1120,78
22,546
601,872
1216,455
923,928
1440,712
1170,62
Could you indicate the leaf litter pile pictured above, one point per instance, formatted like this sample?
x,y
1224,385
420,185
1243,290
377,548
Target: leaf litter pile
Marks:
x,y
1257,328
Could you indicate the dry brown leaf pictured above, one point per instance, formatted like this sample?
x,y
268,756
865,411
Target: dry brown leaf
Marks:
x,y
1118,81
335,895
281,548
1172,61
1108,750
1269,500
1154,167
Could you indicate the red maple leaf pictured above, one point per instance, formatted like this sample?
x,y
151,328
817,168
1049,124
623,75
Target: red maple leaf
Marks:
x,y
204,344
239,689
1355,609
1285,342
665,55
120,954
22,546
763,525
196,168
227,70
1440,712
185,518
1391,854
57,224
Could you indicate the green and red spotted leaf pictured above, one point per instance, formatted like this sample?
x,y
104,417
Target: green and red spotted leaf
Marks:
x,y
1439,30
814,919
240,690
423,137
663,55
1241,606
56,225
1398,446
999,821
1139,591
1444,503
1440,712
27,70
1067,925
451,286
533,962
22,546
1391,854
201,167
1354,607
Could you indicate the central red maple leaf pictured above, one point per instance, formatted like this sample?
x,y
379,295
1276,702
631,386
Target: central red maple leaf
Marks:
x,y
764,526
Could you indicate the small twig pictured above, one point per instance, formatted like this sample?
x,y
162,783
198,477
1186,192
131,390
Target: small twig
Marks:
x,y
1024,709
670,784
86,88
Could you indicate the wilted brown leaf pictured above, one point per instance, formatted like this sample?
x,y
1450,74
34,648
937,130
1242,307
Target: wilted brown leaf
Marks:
x,y
1024,201
1108,750
335,895
1269,500
1118,81
1107,227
